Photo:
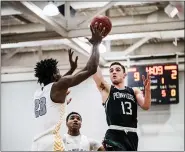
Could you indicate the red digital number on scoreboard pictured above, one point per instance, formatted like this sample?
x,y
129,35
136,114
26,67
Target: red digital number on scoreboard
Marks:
x,y
174,74
154,70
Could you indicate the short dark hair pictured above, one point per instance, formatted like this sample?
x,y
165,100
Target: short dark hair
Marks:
x,y
117,63
72,114
45,69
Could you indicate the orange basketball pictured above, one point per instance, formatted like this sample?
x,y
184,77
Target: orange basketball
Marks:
x,y
105,23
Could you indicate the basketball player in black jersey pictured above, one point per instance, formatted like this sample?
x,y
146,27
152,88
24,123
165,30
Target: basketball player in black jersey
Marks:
x,y
120,104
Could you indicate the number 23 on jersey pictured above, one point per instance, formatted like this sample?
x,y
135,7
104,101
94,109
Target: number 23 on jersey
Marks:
x,y
40,107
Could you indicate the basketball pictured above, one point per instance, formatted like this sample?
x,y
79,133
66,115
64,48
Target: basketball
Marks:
x,y
105,23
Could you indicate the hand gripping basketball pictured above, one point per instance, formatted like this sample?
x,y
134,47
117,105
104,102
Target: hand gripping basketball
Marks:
x,y
100,27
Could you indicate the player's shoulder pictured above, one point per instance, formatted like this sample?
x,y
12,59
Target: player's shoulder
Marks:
x,y
128,88
136,90
48,86
84,137
90,139
131,89
37,92
42,90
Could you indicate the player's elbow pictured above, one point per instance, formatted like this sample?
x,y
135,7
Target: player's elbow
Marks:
x,y
93,69
146,107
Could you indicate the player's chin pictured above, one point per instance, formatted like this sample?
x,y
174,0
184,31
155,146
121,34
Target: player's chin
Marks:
x,y
75,127
115,82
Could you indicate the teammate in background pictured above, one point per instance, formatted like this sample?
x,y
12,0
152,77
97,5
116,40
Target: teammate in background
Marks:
x,y
74,140
48,100
120,104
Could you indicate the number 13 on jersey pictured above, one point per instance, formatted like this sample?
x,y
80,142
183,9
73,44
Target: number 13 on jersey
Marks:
x,y
127,108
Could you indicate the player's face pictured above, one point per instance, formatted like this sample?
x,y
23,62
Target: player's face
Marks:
x,y
116,74
74,122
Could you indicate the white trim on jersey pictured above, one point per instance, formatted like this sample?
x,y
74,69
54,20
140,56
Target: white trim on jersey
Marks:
x,y
126,129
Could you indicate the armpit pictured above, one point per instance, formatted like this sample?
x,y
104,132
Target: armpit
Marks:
x,y
102,86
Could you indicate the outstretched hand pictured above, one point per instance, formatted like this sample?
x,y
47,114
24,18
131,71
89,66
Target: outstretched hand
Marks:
x,y
97,33
146,82
73,64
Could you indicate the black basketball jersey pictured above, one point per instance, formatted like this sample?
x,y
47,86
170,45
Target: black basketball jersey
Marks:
x,y
121,107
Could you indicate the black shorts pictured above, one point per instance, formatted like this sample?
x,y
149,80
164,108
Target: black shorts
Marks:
x,y
116,140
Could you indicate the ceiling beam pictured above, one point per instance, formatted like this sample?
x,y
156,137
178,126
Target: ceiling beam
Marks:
x,y
35,43
7,11
132,29
145,50
35,49
67,13
38,13
22,19
23,28
135,46
148,62
157,17
159,34
32,7
79,48
15,38
115,50
121,11
80,5
87,48
11,54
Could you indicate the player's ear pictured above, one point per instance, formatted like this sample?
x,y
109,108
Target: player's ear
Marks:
x,y
56,76
67,123
124,75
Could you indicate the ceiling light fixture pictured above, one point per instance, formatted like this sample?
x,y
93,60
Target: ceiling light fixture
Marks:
x,y
51,9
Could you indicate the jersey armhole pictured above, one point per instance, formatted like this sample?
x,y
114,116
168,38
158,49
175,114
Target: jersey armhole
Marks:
x,y
51,85
105,102
134,95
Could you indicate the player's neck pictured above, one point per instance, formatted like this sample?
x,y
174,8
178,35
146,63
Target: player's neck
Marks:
x,y
73,132
120,85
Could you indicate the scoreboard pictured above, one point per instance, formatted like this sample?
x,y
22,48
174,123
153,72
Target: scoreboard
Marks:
x,y
164,81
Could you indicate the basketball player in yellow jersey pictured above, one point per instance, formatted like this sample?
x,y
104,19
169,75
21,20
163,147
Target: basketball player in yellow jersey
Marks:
x,y
49,99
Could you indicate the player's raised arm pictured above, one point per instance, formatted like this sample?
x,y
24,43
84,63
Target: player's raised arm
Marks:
x,y
144,101
102,85
68,81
